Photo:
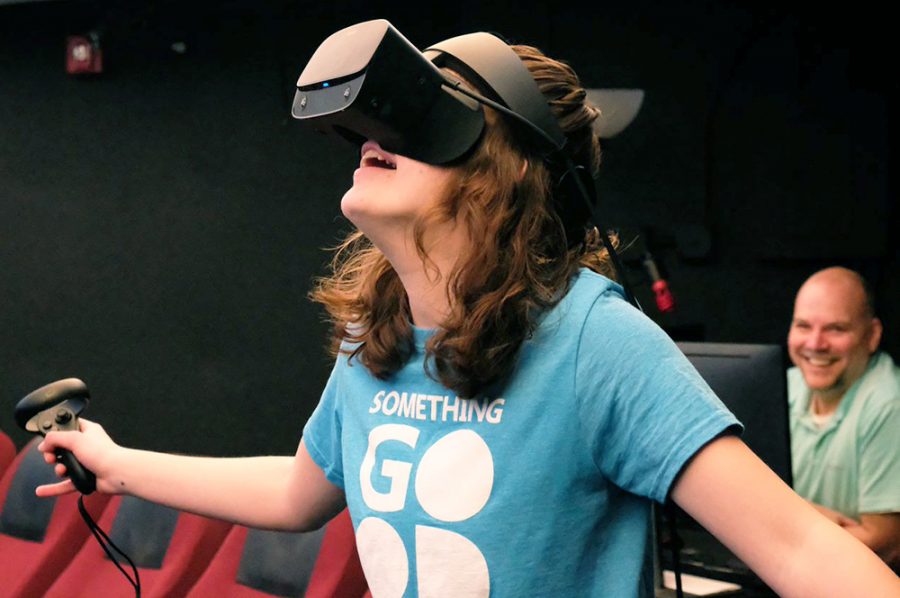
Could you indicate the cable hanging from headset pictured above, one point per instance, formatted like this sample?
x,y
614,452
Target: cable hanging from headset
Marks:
x,y
106,543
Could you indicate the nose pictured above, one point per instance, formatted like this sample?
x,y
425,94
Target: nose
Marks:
x,y
816,340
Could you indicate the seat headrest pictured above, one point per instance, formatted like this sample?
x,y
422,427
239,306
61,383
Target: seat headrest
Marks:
x,y
143,530
24,515
279,563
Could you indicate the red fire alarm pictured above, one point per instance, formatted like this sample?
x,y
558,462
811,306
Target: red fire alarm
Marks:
x,y
83,55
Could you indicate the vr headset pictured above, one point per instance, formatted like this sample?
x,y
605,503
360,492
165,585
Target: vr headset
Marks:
x,y
369,82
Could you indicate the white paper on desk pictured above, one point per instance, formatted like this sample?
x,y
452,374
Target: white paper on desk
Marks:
x,y
699,586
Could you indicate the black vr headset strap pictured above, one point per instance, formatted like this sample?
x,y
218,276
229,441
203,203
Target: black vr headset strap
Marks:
x,y
493,66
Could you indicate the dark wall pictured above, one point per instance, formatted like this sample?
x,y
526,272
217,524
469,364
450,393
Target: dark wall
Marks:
x,y
160,225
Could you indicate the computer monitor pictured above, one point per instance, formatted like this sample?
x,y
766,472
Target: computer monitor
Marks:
x,y
750,380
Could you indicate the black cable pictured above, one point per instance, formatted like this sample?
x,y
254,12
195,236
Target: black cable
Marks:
x,y
106,543
675,546
613,254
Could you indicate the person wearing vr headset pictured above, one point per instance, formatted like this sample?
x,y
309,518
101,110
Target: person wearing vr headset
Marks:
x,y
499,418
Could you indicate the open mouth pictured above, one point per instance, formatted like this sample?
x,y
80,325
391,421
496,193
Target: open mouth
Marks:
x,y
819,361
373,158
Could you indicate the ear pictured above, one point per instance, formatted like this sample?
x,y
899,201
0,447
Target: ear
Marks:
x,y
523,170
875,335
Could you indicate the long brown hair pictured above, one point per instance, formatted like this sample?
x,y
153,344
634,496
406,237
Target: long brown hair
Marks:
x,y
518,266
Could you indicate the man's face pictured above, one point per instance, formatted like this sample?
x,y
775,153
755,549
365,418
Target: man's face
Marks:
x,y
831,336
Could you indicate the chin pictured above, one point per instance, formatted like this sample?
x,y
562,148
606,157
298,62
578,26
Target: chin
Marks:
x,y
822,387
352,205
823,384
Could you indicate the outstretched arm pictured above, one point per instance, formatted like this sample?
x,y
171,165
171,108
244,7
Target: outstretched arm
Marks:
x,y
791,546
286,493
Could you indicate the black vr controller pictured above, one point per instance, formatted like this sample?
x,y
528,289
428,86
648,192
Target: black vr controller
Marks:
x,y
56,407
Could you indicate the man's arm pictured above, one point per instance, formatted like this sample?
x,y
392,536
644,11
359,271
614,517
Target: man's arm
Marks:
x,y
881,533
790,545
878,531
834,516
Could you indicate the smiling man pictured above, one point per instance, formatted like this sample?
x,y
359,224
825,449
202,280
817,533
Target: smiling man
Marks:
x,y
845,410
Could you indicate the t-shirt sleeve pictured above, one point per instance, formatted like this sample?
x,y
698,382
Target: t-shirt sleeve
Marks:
x,y
879,467
646,409
322,433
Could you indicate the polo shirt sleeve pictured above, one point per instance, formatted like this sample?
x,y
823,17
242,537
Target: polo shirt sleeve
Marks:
x,y
646,408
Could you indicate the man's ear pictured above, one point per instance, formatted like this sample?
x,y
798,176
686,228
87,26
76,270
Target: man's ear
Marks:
x,y
875,335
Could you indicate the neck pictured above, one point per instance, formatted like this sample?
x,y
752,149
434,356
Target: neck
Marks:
x,y
426,282
427,294
824,402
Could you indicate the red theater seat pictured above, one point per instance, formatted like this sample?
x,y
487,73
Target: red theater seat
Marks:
x,y
170,548
38,536
258,564
7,451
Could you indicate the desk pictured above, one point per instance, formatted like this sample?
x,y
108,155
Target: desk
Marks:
x,y
701,587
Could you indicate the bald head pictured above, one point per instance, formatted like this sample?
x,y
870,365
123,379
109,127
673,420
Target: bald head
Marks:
x,y
848,286
833,331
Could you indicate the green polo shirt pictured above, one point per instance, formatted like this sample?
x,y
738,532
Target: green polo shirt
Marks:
x,y
852,463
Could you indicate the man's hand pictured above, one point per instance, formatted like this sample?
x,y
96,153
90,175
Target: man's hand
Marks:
x,y
838,518
779,535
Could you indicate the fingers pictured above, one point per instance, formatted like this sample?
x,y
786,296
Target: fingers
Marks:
x,y
90,441
86,424
58,468
49,490
57,440
845,521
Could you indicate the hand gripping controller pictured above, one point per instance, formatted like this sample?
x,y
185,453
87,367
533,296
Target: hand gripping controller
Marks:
x,y
56,407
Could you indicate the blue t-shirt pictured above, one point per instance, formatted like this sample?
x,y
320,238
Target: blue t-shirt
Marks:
x,y
540,490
